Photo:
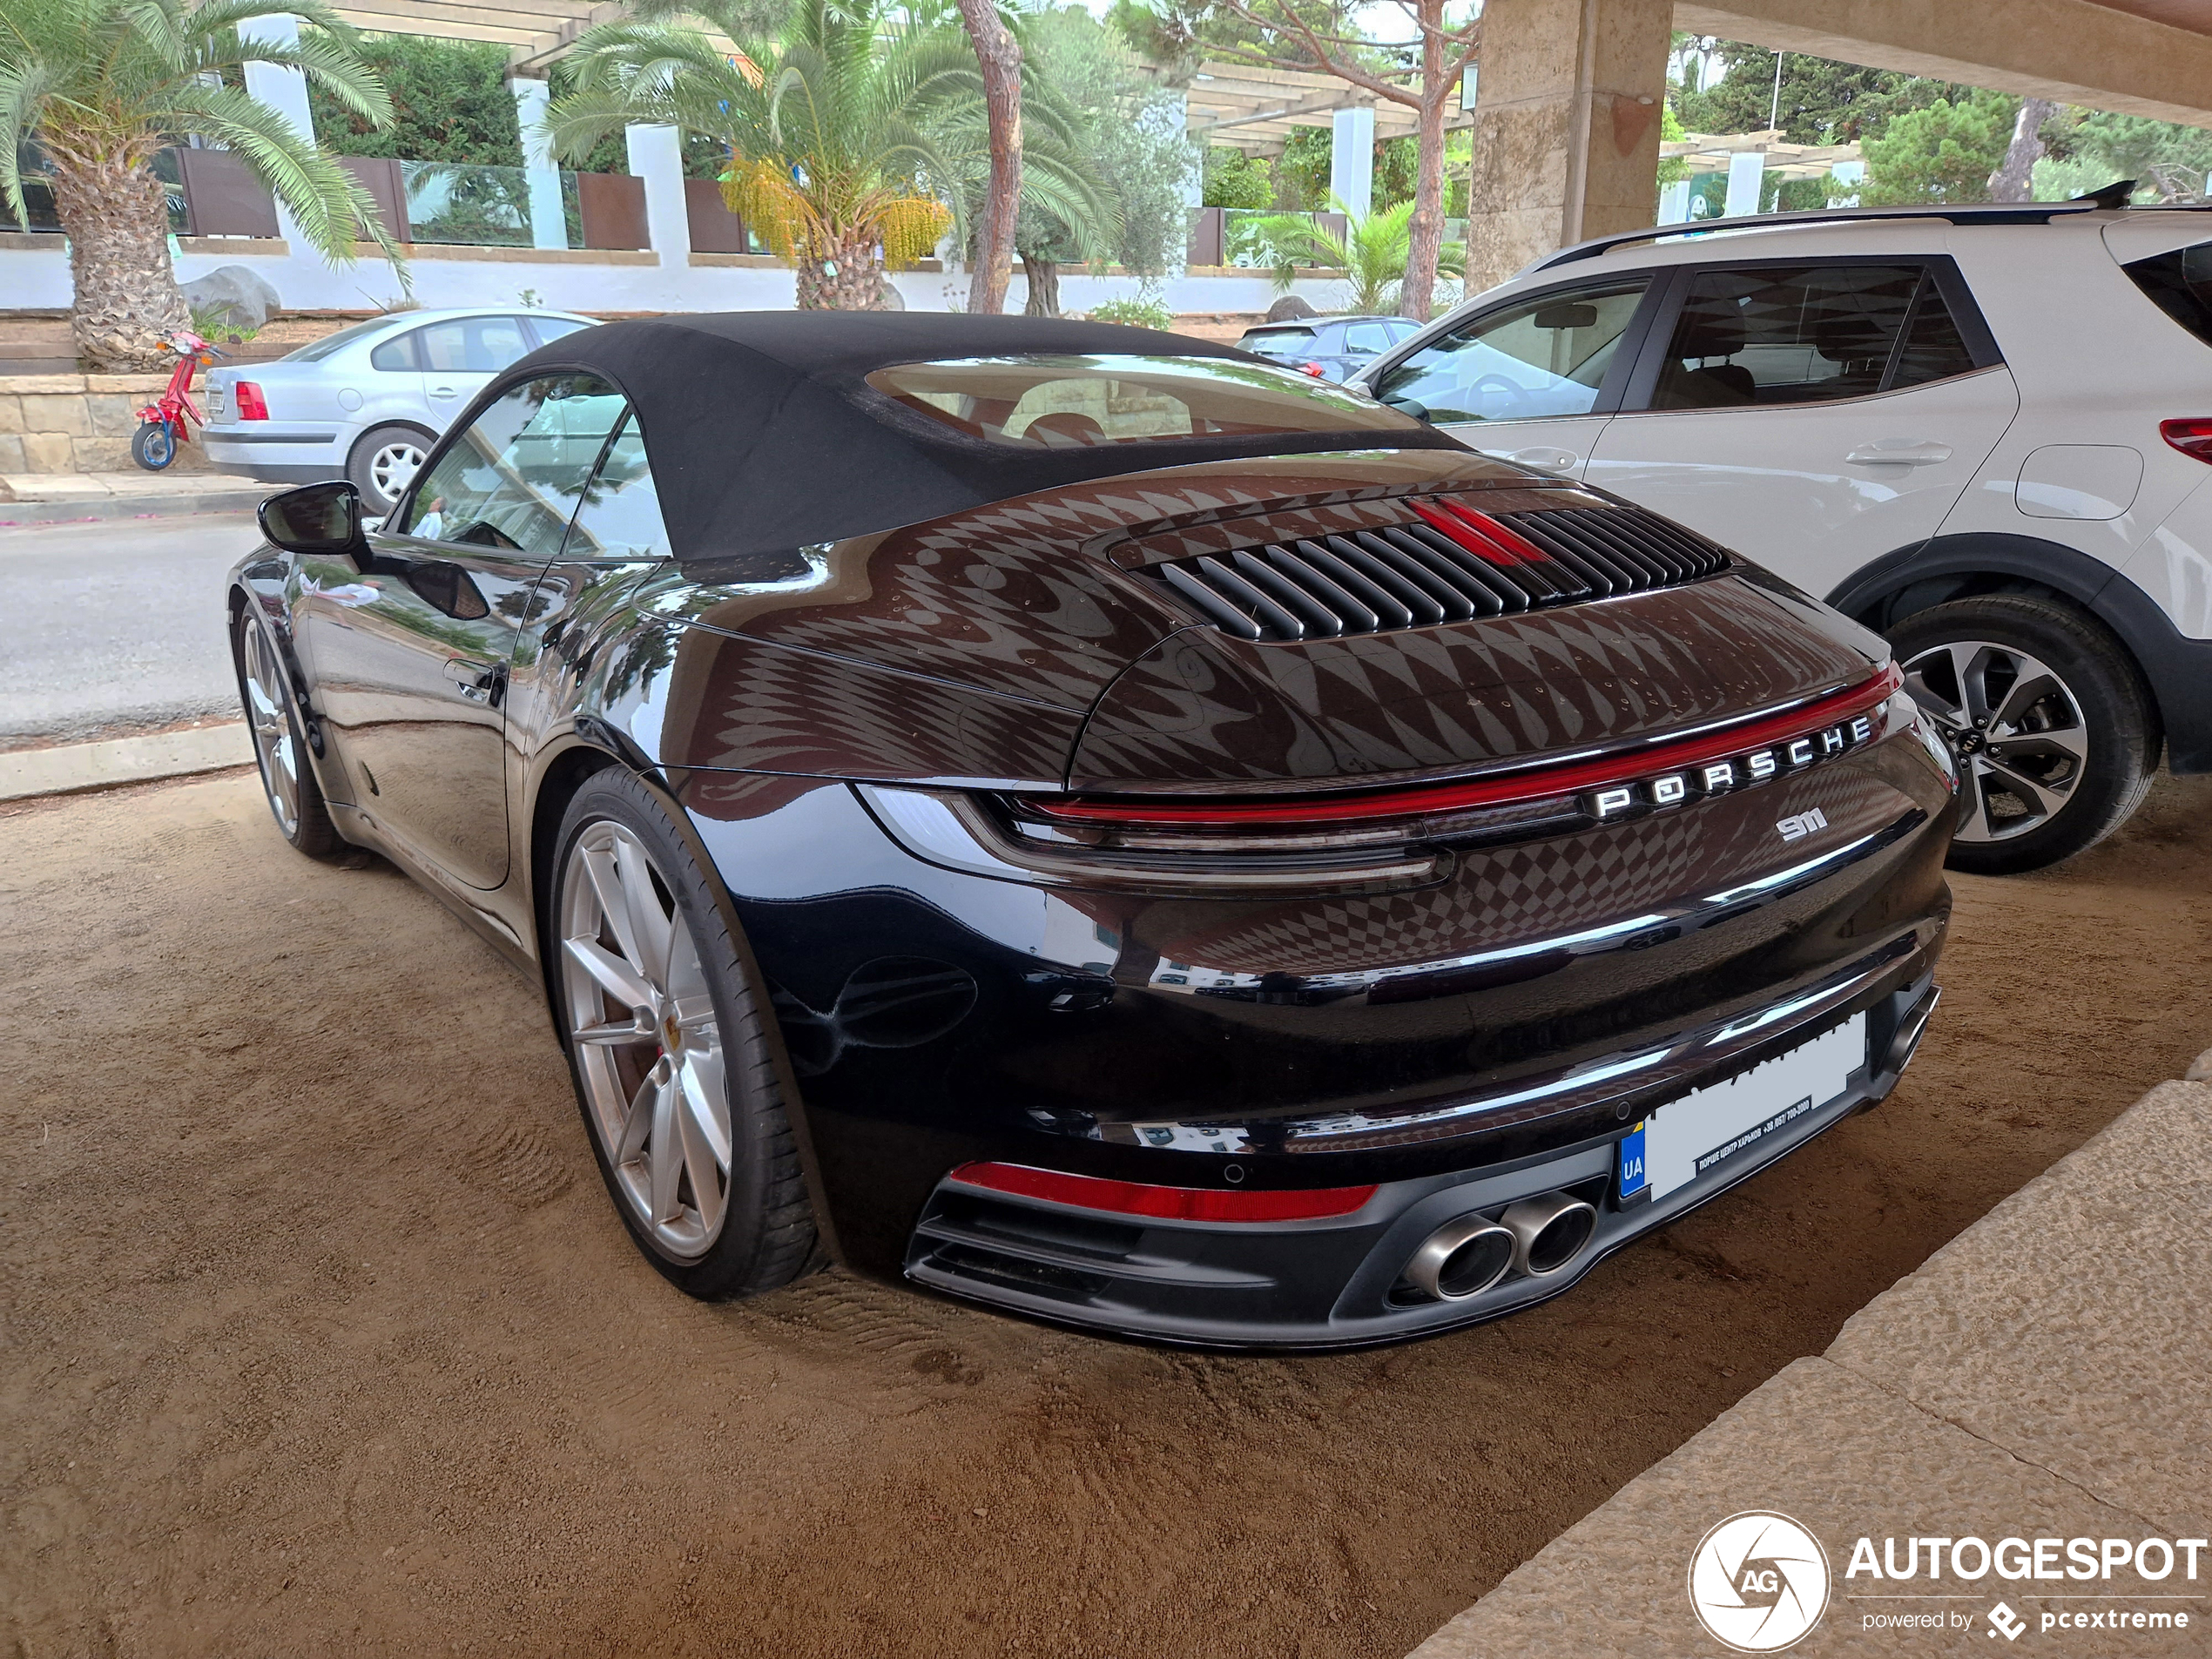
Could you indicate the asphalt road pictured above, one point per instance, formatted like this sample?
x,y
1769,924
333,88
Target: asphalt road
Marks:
x,y
113,626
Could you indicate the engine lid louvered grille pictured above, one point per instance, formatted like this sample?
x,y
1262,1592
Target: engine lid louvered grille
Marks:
x,y
1449,564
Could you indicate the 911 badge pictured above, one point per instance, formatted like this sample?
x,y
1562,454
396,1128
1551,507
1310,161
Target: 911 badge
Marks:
x,y
1800,824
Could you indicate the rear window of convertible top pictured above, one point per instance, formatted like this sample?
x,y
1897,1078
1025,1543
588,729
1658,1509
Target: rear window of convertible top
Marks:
x,y
1064,402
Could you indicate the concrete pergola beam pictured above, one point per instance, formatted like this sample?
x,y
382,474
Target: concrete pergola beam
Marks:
x,y
2076,51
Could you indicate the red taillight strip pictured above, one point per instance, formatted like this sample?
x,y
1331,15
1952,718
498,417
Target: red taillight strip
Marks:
x,y
2192,437
1479,533
1533,785
1162,1204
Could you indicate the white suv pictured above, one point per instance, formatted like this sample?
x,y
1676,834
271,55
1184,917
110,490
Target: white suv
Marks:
x,y
1984,431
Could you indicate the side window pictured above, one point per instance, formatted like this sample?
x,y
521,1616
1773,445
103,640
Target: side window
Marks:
x,y
549,329
1805,334
1933,349
513,477
396,355
1365,336
471,344
619,517
1539,357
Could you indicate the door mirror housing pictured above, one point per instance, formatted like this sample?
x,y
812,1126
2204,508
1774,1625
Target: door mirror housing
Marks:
x,y
314,518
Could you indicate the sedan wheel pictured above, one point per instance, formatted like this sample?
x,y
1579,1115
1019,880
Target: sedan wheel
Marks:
x,y
382,462
670,1048
650,1048
2047,716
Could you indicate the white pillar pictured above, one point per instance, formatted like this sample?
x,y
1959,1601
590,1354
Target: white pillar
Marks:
x,y
284,89
1351,161
1746,183
1193,187
1674,203
657,157
549,225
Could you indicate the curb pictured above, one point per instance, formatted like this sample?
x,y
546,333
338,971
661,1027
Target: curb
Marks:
x,y
2045,1374
73,768
24,515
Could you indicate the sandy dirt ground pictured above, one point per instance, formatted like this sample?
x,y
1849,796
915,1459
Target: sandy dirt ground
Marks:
x,y
321,1336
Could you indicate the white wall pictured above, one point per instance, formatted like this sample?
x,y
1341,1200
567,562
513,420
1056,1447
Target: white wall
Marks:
x,y
40,281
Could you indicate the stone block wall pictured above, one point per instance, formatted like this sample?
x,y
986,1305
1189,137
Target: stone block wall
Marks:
x,y
56,423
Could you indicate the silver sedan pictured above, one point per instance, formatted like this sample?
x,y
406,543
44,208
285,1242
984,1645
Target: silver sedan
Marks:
x,y
366,402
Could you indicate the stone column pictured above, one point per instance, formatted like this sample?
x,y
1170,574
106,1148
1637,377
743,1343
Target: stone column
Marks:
x,y
549,225
1352,159
285,90
657,157
1567,134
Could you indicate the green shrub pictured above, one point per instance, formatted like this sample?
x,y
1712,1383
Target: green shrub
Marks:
x,y
1137,313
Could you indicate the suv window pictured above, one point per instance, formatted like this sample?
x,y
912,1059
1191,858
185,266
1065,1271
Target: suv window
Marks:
x,y
512,478
1546,356
2179,284
1276,340
1365,336
1803,334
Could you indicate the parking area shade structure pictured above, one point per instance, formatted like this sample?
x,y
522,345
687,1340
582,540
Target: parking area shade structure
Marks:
x,y
1567,134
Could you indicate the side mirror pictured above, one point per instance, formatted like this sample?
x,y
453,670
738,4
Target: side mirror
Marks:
x,y
314,518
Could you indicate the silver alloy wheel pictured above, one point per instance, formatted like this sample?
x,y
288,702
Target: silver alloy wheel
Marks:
x,y
648,1046
2015,726
273,747
392,466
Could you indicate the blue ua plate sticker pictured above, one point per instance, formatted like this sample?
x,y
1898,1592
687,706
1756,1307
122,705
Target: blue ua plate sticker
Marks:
x,y
1635,1184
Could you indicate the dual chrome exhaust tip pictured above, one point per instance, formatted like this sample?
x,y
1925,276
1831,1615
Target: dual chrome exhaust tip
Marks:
x,y
1535,1238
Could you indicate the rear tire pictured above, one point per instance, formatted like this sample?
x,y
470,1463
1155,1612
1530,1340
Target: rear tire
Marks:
x,y
383,461
668,1046
2054,728
279,745
153,445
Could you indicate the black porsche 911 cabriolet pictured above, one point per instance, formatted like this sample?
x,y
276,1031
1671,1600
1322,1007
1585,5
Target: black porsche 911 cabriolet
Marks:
x,y
1101,825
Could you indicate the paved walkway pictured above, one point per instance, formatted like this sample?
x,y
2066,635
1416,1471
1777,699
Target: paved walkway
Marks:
x,y
60,497
2046,1374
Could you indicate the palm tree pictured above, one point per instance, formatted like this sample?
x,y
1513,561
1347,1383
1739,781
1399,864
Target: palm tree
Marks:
x,y
1372,252
102,87
829,151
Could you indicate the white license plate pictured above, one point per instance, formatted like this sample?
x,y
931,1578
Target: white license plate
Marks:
x,y
1686,1138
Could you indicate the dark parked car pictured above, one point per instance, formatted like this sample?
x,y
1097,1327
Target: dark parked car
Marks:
x,y
1098,825
1334,348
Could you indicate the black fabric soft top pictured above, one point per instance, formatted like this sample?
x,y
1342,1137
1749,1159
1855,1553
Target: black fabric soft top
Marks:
x,y
763,434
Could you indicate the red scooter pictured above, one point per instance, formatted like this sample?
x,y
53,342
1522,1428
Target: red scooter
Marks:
x,y
161,424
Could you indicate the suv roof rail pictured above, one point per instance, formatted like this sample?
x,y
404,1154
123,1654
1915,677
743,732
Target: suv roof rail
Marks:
x,y
1963,213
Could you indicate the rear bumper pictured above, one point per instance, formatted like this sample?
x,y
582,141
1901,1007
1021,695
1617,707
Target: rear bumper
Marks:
x,y
1337,1282
280,456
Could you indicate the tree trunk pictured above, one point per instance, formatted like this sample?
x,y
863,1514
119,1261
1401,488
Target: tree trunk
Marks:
x,y
116,216
850,280
1428,227
1043,278
999,54
2016,176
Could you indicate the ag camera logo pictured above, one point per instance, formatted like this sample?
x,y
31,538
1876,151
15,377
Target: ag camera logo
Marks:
x,y
1758,1581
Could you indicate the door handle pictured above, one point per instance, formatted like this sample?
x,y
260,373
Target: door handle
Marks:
x,y
478,682
1898,452
1551,460
443,391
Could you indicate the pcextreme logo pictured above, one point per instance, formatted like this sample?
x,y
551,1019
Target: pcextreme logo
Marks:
x,y
1758,1581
